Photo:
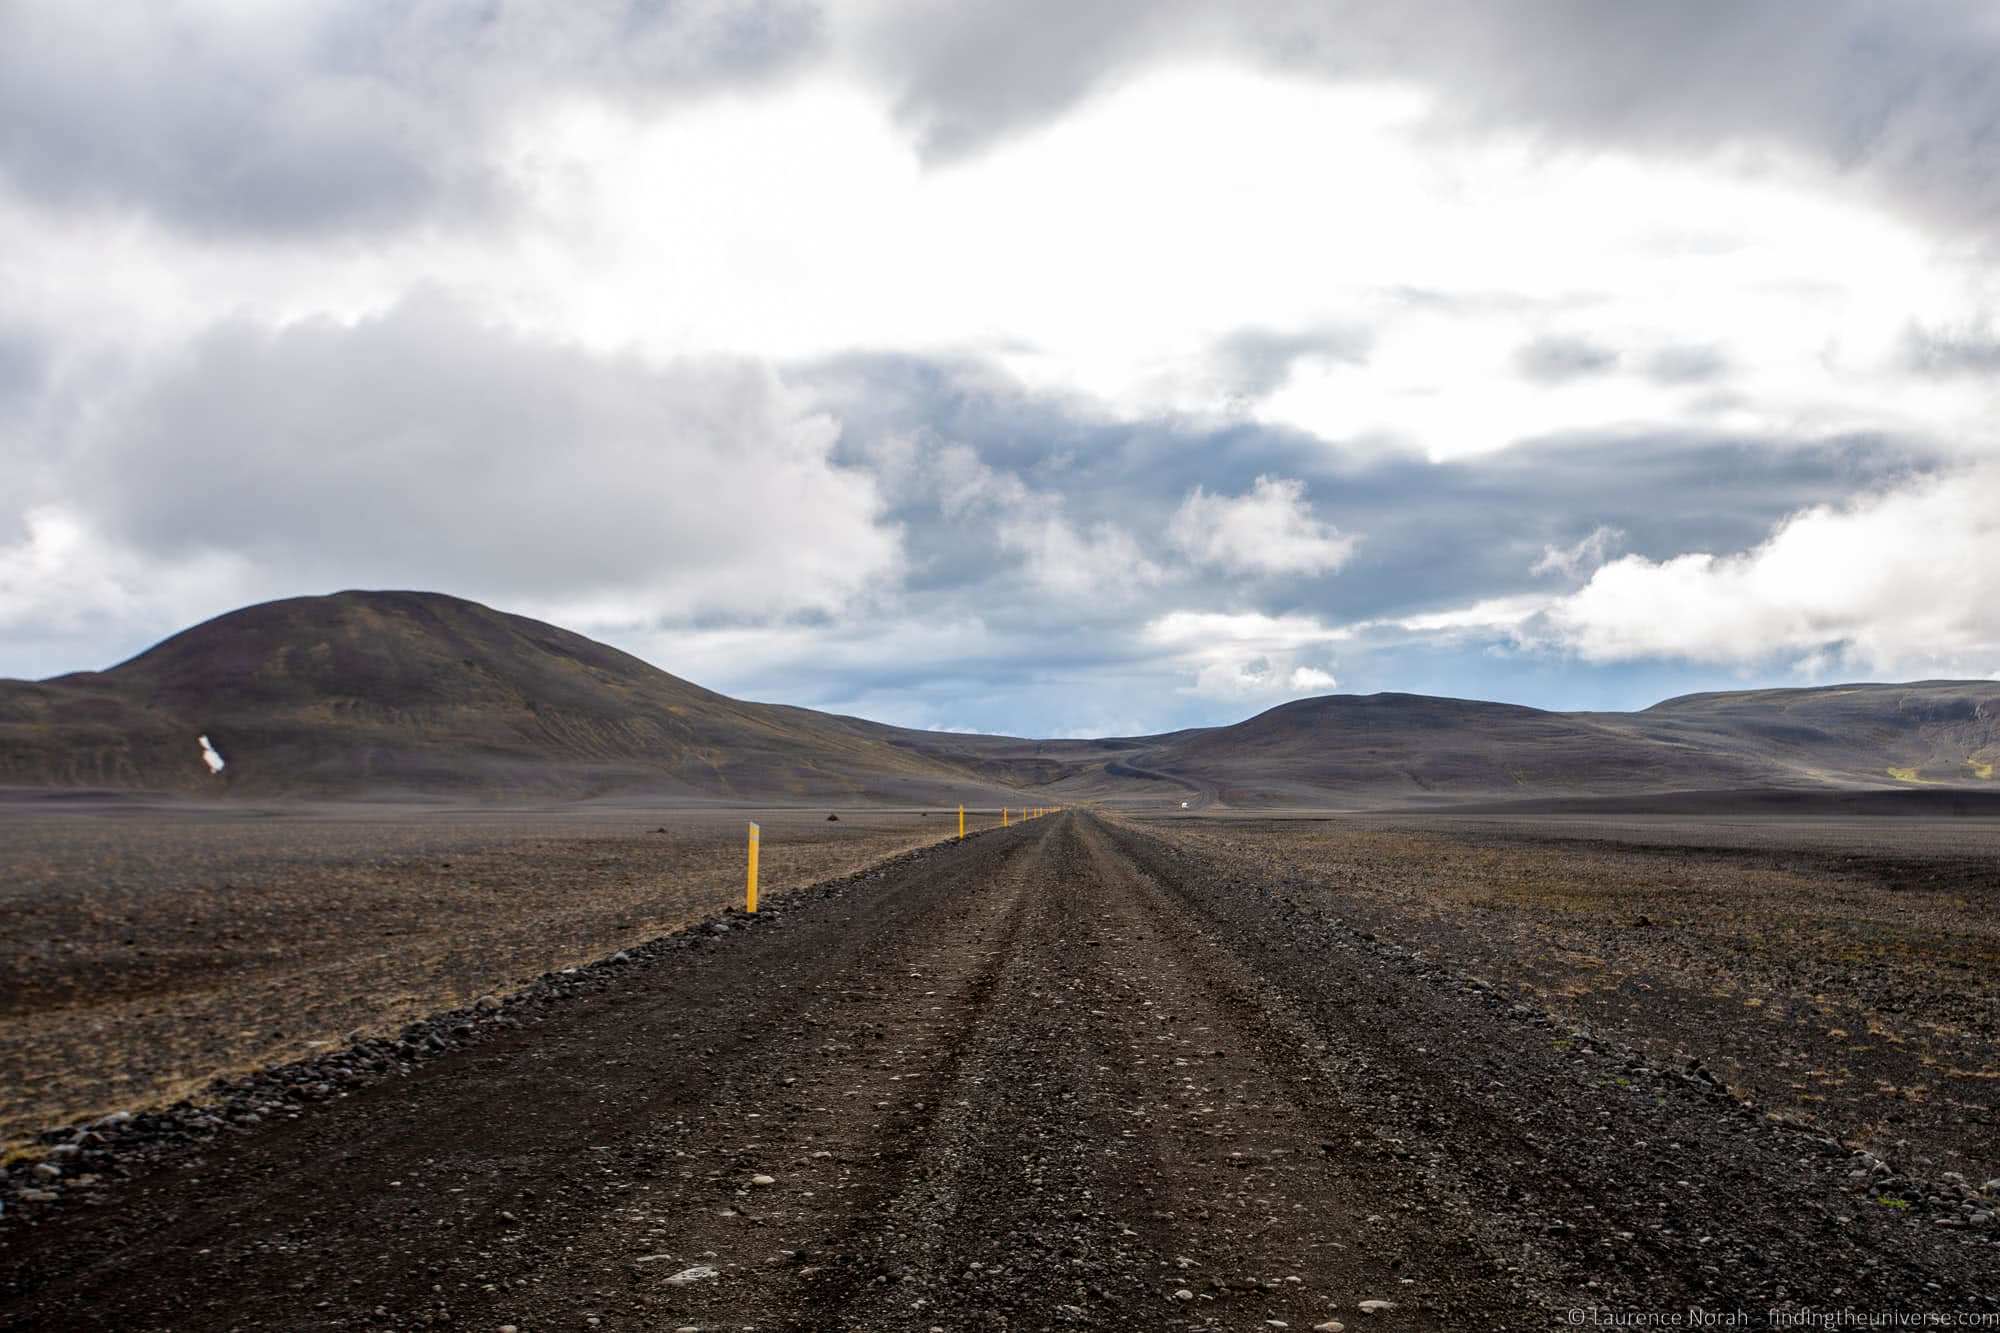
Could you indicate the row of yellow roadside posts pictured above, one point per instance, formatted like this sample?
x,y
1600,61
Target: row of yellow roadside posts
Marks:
x,y
1006,821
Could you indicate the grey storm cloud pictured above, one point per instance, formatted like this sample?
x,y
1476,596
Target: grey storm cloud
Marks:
x,y
425,446
325,116
1253,363
1433,533
1949,351
1559,360
23,361
1687,364
335,116
1898,95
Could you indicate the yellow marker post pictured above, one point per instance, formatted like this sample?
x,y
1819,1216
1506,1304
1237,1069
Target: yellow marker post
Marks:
x,y
961,821
1003,816
750,887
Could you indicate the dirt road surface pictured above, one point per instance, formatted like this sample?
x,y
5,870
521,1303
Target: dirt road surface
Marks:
x,y
1051,1077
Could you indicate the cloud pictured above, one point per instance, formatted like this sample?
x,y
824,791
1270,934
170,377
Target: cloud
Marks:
x,y
1587,553
1252,363
427,448
1101,563
1692,363
1246,654
65,587
1487,614
1557,360
1971,349
23,362
1268,530
1895,98
1898,579
326,115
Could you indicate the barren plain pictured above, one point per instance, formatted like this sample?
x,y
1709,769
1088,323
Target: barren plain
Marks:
x,y
1096,1071
149,946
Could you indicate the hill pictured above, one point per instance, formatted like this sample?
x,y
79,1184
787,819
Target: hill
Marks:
x,y
1412,748
385,693
401,692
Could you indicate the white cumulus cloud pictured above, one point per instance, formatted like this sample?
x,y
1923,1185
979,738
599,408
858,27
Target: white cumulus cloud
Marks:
x,y
1102,560
1901,580
1268,530
1248,654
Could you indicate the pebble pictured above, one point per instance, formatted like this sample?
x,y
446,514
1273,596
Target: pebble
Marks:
x,y
763,1180
695,1274
1183,1295
1376,1307
1330,1326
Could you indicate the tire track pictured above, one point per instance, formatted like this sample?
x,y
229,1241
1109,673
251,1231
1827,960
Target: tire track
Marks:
x,y
845,1095
465,1187
1623,1188
1124,1151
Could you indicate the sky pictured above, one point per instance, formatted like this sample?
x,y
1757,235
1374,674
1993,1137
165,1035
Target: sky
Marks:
x,y
1054,367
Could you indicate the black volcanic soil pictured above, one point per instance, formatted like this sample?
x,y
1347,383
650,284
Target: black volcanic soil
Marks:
x,y
145,948
1072,1074
1841,972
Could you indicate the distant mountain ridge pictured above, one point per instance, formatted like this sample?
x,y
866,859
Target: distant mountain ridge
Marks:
x,y
393,693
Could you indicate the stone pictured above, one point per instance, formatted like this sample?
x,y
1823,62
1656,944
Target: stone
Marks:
x,y
1330,1326
699,1273
763,1180
1377,1307
1183,1295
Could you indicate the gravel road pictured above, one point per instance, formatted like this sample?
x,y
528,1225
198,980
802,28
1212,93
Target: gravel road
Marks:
x,y
1063,1075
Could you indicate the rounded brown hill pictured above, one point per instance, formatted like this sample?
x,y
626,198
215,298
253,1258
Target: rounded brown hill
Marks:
x,y
411,691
